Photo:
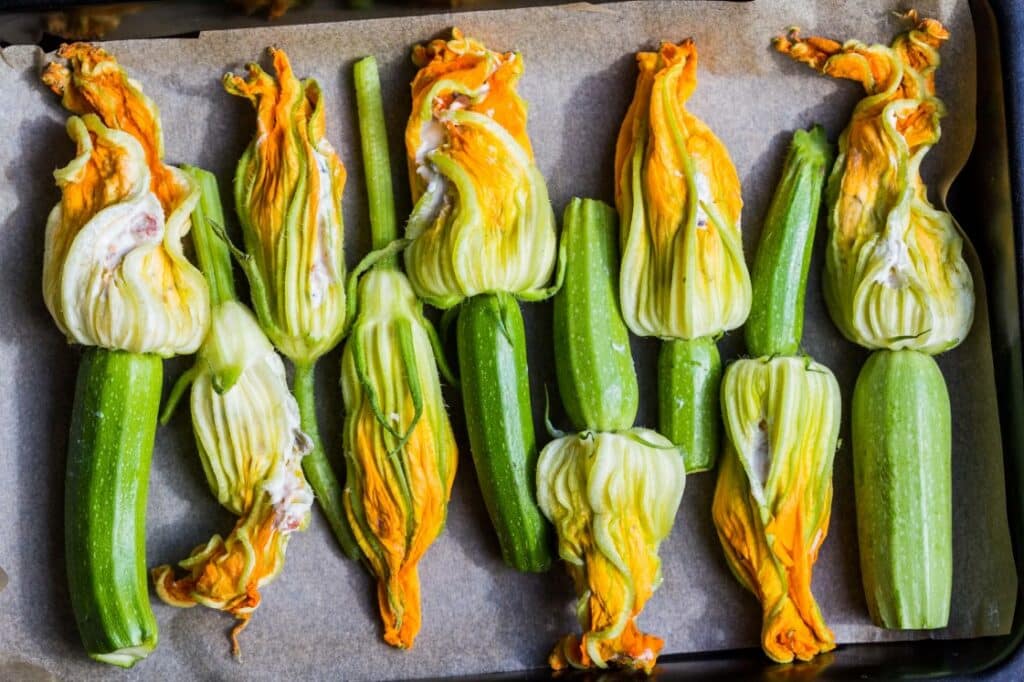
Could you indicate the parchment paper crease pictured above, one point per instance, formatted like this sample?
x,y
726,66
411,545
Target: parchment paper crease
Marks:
x,y
319,620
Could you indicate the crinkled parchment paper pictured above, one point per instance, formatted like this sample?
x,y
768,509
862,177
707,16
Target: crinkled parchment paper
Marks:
x,y
318,619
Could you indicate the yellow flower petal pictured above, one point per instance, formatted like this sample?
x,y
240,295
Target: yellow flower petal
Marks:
x,y
399,446
612,498
288,189
895,276
114,274
678,195
246,424
773,497
482,221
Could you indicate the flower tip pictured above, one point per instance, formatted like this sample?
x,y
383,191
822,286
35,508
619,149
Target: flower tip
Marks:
x,y
401,624
280,57
241,624
419,56
56,77
69,50
166,588
673,53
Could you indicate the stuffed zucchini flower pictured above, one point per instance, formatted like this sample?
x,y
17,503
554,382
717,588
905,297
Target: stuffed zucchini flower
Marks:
x,y
683,273
399,445
246,425
482,222
613,498
114,274
288,188
115,281
895,276
774,493
250,443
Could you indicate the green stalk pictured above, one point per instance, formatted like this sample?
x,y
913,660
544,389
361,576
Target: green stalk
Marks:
x,y
214,256
211,250
373,136
315,465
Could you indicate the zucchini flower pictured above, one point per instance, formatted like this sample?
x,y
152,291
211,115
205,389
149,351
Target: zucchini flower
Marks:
x,y
774,493
288,188
399,445
482,222
275,9
246,425
613,498
247,429
895,276
114,274
678,196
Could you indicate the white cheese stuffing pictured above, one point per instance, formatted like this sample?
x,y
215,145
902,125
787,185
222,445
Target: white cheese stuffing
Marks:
x,y
895,257
320,273
143,228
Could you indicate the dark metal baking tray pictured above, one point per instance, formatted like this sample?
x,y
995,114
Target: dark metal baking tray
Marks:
x,y
988,200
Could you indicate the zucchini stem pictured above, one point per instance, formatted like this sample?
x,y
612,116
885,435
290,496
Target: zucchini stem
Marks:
x,y
211,249
373,136
315,465
177,392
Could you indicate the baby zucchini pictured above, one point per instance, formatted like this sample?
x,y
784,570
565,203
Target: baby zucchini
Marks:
x,y
492,360
776,320
902,443
593,362
113,427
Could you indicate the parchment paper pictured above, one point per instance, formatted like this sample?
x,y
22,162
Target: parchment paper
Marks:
x,y
319,619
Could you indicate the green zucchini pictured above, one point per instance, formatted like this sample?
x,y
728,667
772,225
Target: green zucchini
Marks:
x,y
113,425
689,412
593,361
902,443
779,279
496,397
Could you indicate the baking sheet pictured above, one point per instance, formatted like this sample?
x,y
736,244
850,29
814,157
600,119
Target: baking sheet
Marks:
x,y
319,619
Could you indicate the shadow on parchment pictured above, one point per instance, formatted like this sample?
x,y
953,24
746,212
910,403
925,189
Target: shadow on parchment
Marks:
x,y
587,155
45,379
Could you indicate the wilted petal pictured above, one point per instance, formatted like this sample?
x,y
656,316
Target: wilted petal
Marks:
x,y
92,82
399,446
246,424
114,274
612,498
288,189
895,276
774,492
